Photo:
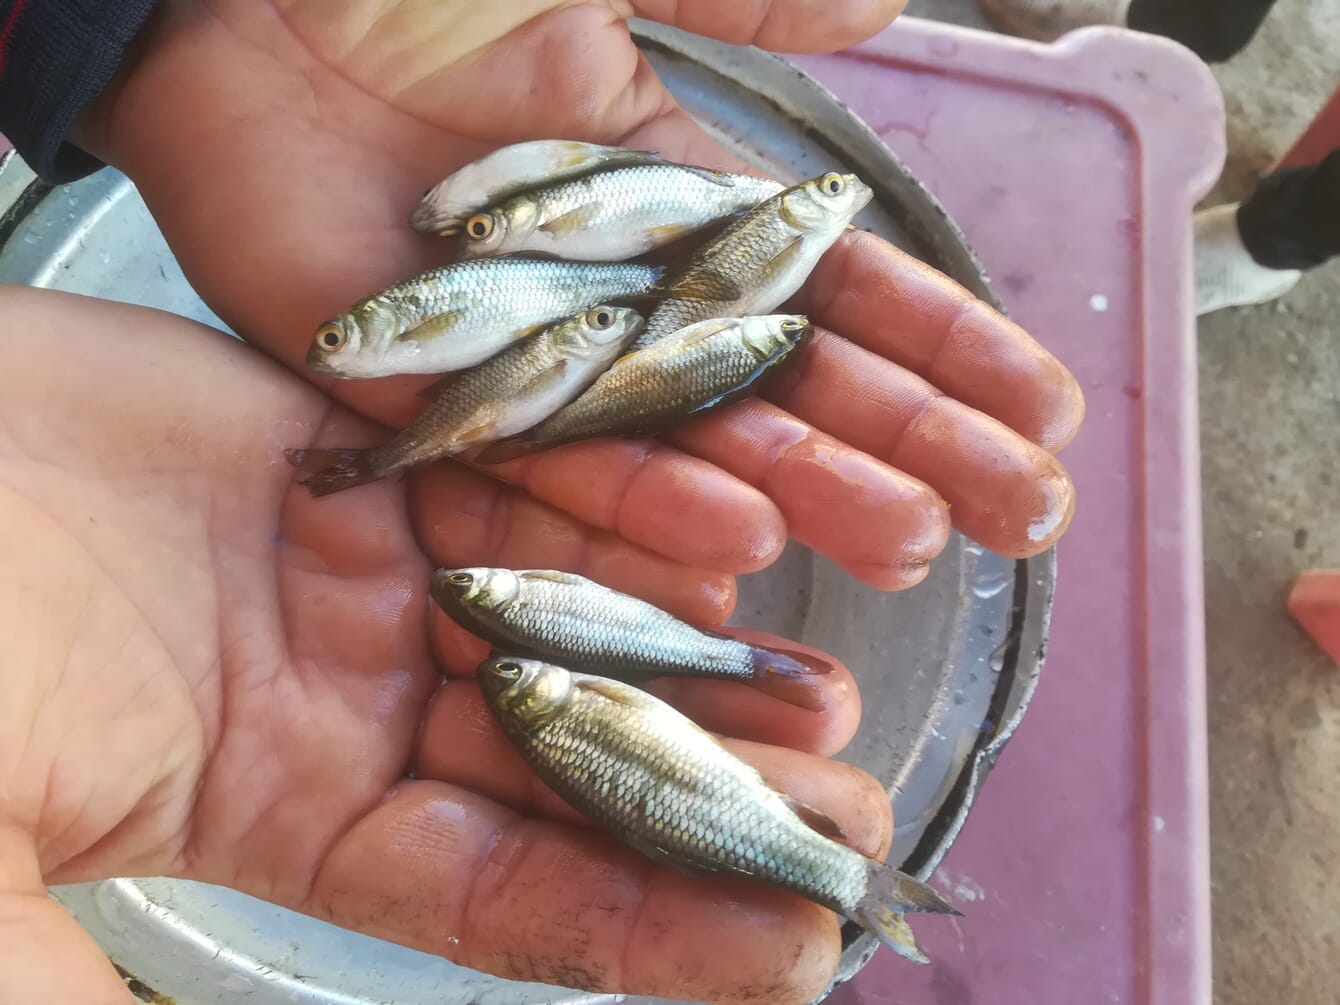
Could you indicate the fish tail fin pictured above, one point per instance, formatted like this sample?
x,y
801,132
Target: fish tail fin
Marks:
x,y
327,471
769,662
789,675
889,895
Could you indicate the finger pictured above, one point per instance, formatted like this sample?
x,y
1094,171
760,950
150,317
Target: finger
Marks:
x,y
44,953
900,308
446,871
780,25
461,742
660,498
463,518
1004,491
881,525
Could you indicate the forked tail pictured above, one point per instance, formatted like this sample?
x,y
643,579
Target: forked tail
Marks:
x,y
327,471
890,894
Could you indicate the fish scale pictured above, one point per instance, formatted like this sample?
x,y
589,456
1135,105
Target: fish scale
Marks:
x,y
645,392
765,255
602,630
618,212
674,790
457,316
664,786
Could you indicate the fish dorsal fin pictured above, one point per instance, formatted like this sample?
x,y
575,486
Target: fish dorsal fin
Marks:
x,y
816,820
554,576
705,284
701,332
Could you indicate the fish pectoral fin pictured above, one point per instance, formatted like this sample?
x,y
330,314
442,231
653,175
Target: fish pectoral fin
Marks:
x,y
615,691
663,232
546,379
435,327
707,285
816,820
571,222
783,260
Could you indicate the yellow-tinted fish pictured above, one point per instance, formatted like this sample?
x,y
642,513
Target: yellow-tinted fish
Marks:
x,y
661,784
759,261
702,367
508,394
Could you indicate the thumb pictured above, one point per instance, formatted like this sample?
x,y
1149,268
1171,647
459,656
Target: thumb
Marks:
x,y
44,954
778,25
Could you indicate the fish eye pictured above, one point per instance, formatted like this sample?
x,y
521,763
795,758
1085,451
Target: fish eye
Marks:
x,y
460,579
480,227
792,325
331,337
601,317
833,183
509,670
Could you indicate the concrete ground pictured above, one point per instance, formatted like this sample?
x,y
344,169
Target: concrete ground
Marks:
x,y
1270,440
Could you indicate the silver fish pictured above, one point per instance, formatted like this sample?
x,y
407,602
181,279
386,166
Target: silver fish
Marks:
x,y
758,262
669,789
700,368
507,394
613,213
584,626
460,315
508,170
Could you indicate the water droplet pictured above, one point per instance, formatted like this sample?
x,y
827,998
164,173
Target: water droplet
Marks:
x,y
991,585
996,661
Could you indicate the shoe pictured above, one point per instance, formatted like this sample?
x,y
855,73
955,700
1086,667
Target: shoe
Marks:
x,y
1226,273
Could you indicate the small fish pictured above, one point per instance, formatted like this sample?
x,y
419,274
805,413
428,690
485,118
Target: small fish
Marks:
x,y
507,394
670,790
758,262
511,169
614,213
460,315
702,367
584,626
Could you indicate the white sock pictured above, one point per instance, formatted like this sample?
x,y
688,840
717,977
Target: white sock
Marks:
x,y
1048,20
1226,273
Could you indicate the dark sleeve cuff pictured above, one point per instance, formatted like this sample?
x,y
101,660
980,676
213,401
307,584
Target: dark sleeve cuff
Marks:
x,y
56,57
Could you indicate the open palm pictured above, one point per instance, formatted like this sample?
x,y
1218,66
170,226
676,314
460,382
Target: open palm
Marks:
x,y
282,147
247,676
210,674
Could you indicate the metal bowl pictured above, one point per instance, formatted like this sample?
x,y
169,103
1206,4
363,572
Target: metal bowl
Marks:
x,y
946,670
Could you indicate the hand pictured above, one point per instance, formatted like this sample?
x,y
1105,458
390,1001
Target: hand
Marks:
x,y
282,146
207,673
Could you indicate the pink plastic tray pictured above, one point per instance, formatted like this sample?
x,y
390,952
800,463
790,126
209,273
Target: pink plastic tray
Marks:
x,y
1073,170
